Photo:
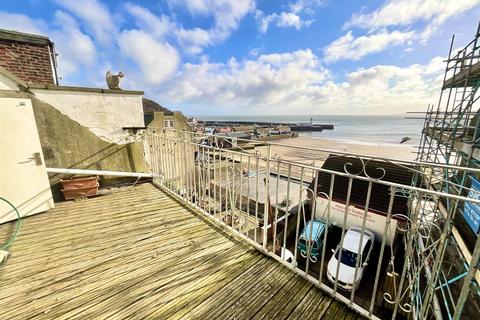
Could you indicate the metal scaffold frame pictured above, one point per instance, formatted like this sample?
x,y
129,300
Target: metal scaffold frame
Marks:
x,y
441,261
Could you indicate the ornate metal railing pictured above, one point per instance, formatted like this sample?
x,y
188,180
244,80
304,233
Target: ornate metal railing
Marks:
x,y
300,214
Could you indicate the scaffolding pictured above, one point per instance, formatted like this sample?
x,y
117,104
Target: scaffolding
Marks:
x,y
441,277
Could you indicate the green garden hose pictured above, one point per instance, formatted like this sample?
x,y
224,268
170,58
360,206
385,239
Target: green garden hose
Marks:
x,y
6,246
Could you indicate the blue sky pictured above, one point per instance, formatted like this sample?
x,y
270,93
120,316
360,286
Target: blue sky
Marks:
x,y
256,57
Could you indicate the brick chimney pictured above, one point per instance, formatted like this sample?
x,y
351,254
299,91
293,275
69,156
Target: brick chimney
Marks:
x,y
30,57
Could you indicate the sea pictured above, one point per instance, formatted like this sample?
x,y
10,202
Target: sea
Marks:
x,y
364,129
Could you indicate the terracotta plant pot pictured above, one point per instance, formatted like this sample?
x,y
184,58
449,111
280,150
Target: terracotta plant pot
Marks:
x,y
79,187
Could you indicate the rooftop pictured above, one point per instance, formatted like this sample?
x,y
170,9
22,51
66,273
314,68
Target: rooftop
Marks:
x,y
23,37
141,254
82,89
375,169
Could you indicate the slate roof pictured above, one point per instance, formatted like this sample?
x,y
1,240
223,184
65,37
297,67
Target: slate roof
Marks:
x,y
380,194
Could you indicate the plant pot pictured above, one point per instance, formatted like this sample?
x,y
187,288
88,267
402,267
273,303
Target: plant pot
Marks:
x,y
79,187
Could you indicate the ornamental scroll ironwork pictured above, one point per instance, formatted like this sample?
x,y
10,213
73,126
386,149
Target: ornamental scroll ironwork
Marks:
x,y
363,169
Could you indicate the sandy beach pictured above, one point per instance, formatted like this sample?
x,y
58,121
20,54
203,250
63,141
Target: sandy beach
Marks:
x,y
400,152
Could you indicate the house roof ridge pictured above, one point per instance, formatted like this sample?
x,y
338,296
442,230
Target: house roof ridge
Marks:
x,y
23,37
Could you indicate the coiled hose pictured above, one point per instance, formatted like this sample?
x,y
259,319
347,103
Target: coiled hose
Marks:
x,y
6,246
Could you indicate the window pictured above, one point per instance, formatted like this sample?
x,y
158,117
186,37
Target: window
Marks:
x,y
168,124
365,251
349,258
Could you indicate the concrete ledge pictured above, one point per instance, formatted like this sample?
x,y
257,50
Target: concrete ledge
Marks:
x,y
82,89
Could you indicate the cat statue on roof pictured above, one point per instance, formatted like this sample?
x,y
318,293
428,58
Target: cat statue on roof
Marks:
x,y
113,80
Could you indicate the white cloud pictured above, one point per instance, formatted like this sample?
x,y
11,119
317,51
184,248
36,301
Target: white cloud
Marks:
x,y
290,18
226,14
267,81
282,20
96,17
307,6
352,48
395,13
296,82
406,12
75,48
194,6
161,27
385,89
157,26
23,23
157,60
193,40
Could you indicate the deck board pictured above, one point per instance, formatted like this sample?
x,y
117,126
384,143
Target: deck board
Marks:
x,y
137,253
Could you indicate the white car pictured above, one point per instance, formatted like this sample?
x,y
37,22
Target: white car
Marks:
x,y
349,259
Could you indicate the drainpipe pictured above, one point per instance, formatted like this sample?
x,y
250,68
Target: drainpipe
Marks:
x,y
53,61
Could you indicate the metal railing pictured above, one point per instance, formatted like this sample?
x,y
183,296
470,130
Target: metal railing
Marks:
x,y
396,257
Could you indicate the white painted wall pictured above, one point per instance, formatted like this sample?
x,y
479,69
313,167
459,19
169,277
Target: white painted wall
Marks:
x,y
6,83
103,113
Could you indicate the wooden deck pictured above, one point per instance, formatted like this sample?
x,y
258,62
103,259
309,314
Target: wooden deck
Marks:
x,y
136,254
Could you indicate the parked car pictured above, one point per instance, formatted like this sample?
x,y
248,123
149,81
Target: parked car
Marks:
x,y
349,259
313,233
